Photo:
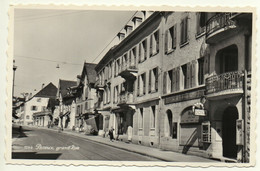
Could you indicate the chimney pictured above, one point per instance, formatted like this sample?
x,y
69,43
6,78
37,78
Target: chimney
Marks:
x,y
43,85
128,29
137,21
121,36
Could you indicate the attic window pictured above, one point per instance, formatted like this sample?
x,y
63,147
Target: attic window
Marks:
x,y
39,100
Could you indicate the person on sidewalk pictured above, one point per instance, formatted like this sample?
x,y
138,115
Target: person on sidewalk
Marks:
x,y
110,133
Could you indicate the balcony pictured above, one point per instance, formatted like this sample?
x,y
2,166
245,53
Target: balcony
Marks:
x,y
219,27
225,85
99,85
126,99
128,71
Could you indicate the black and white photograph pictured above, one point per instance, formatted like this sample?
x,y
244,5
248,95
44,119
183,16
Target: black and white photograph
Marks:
x,y
132,85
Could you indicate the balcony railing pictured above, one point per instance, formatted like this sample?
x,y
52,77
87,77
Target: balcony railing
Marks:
x,y
227,81
128,71
218,22
126,98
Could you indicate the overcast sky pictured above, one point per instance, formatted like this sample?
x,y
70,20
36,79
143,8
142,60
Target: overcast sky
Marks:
x,y
44,39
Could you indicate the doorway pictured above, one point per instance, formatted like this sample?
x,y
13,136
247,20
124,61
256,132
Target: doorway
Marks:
x,y
230,116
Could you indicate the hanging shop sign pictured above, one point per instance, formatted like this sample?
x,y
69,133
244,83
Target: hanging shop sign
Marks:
x,y
198,109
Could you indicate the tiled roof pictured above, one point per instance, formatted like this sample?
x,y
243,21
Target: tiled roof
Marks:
x,y
64,85
49,91
89,69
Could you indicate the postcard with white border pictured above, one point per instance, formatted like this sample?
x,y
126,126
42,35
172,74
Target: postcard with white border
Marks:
x,y
135,86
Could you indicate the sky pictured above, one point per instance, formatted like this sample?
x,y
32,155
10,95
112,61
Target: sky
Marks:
x,y
45,38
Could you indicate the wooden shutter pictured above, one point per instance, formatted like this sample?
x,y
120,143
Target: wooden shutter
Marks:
x,y
129,56
182,31
157,41
150,80
166,41
156,78
174,80
194,73
177,78
151,45
145,48
144,83
140,51
187,76
174,36
186,29
138,85
164,82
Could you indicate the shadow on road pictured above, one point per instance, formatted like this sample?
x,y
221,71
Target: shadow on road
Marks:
x,y
34,155
19,132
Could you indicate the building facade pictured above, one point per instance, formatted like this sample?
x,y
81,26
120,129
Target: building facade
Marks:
x,y
180,81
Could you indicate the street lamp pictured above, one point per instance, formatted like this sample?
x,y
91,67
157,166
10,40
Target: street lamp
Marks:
x,y
14,69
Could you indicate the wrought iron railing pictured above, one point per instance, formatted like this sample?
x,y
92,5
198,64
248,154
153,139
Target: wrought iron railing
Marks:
x,y
227,81
218,21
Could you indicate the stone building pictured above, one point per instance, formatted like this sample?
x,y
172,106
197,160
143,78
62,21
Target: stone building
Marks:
x,y
66,95
180,81
35,108
86,117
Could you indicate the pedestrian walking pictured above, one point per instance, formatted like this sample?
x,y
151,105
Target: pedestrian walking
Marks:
x,y
110,133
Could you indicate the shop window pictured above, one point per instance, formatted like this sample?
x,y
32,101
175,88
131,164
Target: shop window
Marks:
x,y
184,31
170,39
154,43
170,124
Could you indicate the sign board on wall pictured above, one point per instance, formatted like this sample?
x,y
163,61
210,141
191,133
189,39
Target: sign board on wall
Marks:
x,y
189,117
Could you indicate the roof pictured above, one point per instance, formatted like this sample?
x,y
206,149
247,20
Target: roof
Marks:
x,y
89,69
48,91
64,85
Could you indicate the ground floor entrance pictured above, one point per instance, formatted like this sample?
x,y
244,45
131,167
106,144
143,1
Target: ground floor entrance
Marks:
x,y
230,116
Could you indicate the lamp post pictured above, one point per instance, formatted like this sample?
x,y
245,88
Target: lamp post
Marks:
x,y
14,69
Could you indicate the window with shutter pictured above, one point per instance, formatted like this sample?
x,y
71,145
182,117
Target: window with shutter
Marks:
x,y
138,85
144,82
174,36
184,74
164,82
174,80
140,53
166,42
145,48
156,78
150,80
201,72
194,73
156,34
178,78
151,45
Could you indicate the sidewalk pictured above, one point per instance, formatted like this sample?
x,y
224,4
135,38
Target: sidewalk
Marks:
x,y
169,156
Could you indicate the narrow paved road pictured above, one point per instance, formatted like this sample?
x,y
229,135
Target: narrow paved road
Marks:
x,y
33,143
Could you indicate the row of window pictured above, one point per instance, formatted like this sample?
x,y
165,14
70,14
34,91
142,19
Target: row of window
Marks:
x,y
186,76
129,59
35,108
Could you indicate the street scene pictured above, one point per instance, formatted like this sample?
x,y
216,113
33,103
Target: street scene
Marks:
x,y
159,86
